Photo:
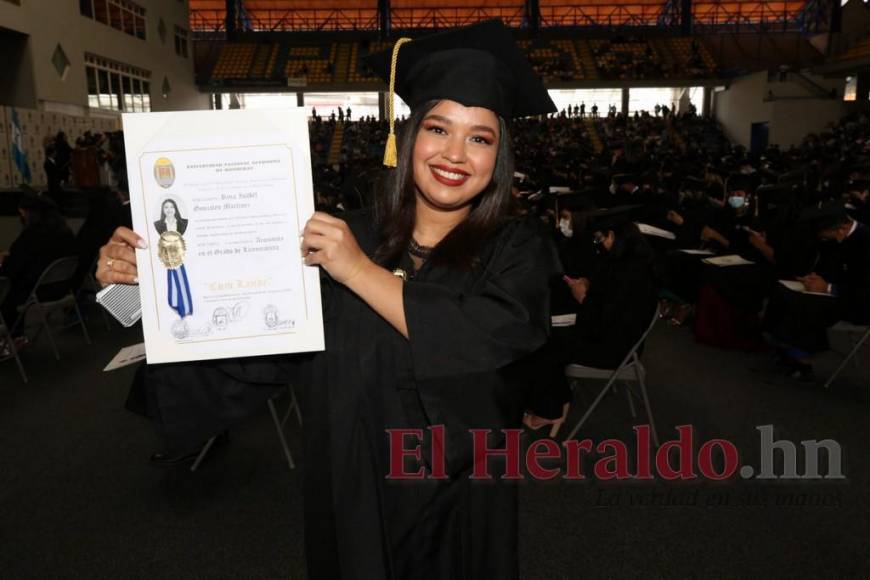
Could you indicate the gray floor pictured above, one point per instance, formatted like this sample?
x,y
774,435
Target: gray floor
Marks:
x,y
78,499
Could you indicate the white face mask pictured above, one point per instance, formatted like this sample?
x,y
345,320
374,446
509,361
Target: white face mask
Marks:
x,y
736,201
565,228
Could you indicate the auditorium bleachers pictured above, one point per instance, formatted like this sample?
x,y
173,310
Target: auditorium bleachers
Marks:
x,y
235,61
555,60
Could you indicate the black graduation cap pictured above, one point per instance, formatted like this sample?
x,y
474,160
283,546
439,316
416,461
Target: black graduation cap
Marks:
x,y
478,66
576,202
740,182
623,178
824,217
859,184
611,218
35,200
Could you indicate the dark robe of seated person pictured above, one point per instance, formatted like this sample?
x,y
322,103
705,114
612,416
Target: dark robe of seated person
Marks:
x,y
191,402
801,320
45,238
621,297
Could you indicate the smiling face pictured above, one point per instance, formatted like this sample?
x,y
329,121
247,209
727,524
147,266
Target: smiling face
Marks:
x,y
454,154
168,210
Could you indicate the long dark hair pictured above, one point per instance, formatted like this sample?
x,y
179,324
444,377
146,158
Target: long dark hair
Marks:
x,y
395,208
163,213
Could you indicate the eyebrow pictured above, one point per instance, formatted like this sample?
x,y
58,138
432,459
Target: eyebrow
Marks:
x,y
447,121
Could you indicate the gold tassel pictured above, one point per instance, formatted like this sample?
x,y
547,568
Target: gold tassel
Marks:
x,y
391,156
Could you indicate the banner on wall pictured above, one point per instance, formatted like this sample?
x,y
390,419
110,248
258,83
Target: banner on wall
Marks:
x,y
19,157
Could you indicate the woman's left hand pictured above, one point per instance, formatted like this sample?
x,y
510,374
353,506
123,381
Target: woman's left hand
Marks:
x,y
328,242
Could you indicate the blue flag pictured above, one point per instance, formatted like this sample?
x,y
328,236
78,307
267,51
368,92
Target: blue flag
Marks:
x,y
18,154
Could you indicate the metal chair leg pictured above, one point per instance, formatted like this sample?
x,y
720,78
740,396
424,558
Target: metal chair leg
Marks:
x,y
281,437
295,404
591,408
630,396
642,382
47,328
7,338
849,357
81,321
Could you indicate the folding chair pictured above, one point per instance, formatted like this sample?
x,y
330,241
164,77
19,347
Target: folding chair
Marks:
x,y
279,427
5,335
631,369
862,333
55,274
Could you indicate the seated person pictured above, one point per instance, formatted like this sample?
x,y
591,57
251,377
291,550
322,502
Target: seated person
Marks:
x,y
798,321
735,228
858,199
45,238
617,295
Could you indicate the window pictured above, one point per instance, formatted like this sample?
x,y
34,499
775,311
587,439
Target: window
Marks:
x,y
116,87
124,15
180,42
60,62
101,11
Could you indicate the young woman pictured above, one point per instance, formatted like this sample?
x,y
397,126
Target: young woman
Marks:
x,y
429,299
170,218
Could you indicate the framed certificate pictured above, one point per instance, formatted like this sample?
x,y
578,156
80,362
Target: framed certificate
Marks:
x,y
221,198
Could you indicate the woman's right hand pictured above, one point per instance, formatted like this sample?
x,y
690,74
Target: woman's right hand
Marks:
x,y
117,262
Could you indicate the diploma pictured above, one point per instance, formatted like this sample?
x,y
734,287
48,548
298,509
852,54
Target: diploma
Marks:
x,y
220,198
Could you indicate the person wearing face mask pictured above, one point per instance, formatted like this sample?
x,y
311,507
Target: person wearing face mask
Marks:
x,y
840,287
617,294
737,228
45,237
731,298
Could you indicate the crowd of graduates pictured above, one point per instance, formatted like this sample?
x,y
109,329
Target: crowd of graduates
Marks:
x,y
757,251
637,217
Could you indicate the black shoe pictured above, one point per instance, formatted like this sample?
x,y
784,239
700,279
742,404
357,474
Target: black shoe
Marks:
x,y
166,460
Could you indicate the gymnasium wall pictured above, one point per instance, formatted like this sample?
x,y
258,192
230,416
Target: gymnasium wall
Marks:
x,y
792,108
49,23
35,126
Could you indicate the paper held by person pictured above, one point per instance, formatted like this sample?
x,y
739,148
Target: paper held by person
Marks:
x,y
220,198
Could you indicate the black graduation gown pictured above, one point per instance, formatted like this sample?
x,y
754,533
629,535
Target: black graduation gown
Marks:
x,y
29,255
466,328
458,369
623,291
800,320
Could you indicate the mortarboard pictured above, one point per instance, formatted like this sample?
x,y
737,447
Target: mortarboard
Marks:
x,y
824,217
740,182
608,219
477,66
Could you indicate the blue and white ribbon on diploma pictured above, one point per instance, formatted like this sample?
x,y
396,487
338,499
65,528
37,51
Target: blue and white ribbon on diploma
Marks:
x,y
178,288
170,250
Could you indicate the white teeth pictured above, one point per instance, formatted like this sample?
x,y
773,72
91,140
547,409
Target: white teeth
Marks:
x,y
449,174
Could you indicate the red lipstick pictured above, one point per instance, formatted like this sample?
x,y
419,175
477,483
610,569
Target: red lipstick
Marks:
x,y
437,170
